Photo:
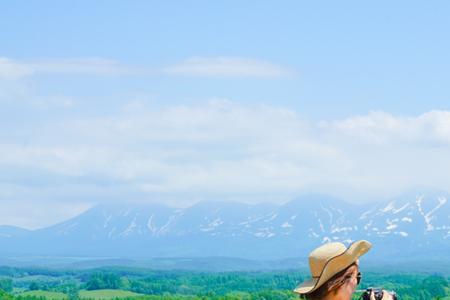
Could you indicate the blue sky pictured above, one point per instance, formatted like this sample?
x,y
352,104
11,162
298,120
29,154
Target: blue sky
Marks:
x,y
251,101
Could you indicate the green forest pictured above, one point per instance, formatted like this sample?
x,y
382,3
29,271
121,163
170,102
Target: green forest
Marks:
x,y
136,283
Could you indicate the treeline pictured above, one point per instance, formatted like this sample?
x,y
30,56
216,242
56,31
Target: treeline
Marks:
x,y
177,285
30,271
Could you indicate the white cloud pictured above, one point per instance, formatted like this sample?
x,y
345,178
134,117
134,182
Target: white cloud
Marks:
x,y
94,66
221,148
10,69
14,69
227,67
383,128
225,150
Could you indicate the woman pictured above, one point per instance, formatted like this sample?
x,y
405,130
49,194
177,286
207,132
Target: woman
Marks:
x,y
335,272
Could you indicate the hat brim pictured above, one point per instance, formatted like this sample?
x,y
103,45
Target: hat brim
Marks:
x,y
334,266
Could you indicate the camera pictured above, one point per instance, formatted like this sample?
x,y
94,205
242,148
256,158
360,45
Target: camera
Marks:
x,y
377,293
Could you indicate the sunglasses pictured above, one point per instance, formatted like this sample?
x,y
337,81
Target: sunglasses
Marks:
x,y
358,278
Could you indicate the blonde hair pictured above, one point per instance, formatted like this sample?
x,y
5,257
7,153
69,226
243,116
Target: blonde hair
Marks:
x,y
333,284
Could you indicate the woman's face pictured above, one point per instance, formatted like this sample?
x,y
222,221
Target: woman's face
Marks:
x,y
350,287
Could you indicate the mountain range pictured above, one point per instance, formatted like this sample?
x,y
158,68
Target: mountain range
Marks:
x,y
410,227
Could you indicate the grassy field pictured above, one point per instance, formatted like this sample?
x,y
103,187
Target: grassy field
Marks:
x,y
189,285
83,294
106,294
46,294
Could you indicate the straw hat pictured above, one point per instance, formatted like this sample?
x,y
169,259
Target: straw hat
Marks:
x,y
328,260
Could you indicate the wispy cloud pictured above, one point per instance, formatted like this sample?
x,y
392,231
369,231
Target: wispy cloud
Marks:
x,y
15,69
382,128
10,69
227,67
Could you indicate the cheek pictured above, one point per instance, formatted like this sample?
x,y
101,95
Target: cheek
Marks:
x,y
351,287
346,291
354,285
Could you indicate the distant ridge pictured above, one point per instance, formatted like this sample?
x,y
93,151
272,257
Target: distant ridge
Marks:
x,y
405,228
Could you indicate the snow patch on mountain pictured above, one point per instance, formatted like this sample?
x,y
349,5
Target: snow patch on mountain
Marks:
x,y
151,227
67,228
330,215
391,224
264,232
391,227
166,227
428,217
341,229
365,214
250,220
326,240
130,228
389,207
107,220
367,225
396,211
111,233
212,225
286,225
321,225
271,217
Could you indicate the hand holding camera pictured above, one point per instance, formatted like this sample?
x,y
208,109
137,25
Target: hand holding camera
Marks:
x,y
378,294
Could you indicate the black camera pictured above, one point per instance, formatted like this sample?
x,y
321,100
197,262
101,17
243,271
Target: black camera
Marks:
x,y
377,293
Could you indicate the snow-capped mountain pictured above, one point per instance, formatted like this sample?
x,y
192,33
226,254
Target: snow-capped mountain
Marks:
x,y
411,226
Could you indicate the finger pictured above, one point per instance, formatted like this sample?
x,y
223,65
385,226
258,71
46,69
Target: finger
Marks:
x,y
387,295
372,296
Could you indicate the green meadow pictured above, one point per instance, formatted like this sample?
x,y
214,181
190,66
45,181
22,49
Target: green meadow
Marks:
x,y
130,283
106,294
44,294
